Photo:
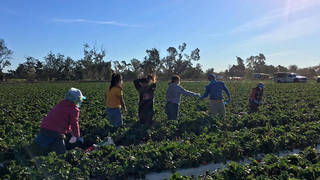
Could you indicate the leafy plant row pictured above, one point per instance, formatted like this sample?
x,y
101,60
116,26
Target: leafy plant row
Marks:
x,y
305,165
288,119
165,155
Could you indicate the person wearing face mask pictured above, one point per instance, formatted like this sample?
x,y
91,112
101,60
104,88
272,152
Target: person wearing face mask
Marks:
x,y
256,97
62,119
173,97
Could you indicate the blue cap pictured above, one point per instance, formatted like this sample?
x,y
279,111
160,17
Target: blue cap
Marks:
x,y
261,85
212,75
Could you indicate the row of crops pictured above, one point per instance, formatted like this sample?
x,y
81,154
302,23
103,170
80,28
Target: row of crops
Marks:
x,y
305,165
288,119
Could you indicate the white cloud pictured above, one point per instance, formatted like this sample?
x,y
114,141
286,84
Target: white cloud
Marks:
x,y
275,17
291,8
289,31
114,23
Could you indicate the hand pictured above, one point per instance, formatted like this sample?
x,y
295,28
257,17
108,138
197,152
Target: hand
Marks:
x,y
80,139
124,109
198,95
73,140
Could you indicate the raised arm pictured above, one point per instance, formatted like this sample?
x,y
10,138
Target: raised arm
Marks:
x,y
137,84
153,86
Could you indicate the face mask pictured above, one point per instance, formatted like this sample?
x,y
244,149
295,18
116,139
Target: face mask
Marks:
x,y
81,100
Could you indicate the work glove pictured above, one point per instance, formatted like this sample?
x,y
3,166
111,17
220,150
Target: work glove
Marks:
x,y
73,139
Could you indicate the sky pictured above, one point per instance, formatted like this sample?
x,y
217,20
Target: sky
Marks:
x,y
286,31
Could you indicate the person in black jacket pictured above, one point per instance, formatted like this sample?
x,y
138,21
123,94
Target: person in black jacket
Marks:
x,y
146,88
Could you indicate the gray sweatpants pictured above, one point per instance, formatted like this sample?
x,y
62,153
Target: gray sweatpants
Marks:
x,y
217,108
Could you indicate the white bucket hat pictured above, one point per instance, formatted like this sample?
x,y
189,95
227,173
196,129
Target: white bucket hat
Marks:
x,y
75,95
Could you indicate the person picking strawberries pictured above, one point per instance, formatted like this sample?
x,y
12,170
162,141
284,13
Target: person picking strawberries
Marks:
x,y
256,98
62,119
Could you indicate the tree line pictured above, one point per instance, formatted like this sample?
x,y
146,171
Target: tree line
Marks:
x,y
257,64
93,66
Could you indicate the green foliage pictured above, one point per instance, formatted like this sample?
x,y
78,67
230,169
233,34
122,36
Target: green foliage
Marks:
x,y
296,166
288,119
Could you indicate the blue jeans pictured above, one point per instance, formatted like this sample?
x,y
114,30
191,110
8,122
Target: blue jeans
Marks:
x,y
172,110
115,116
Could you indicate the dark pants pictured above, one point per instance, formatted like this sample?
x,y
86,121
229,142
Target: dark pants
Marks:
x,y
254,107
58,146
146,112
51,141
172,110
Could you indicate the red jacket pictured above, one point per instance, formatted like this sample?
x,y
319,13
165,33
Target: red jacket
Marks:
x,y
63,118
256,94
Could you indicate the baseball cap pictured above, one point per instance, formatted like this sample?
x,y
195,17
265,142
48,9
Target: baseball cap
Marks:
x,y
261,85
212,75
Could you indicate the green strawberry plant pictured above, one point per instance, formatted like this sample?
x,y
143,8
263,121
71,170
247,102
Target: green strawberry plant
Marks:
x,y
288,119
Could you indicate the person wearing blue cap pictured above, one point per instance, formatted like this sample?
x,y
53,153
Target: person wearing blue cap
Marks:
x,y
256,97
62,119
214,89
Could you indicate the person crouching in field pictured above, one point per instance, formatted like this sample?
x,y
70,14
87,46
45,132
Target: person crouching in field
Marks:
x,y
115,101
214,89
63,118
146,88
173,96
256,97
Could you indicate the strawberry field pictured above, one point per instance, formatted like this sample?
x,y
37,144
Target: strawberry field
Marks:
x,y
288,119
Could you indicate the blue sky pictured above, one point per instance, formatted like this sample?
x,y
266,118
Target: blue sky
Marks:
x,y
286,31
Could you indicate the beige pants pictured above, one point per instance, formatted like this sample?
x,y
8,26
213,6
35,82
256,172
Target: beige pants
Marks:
x,y
217,108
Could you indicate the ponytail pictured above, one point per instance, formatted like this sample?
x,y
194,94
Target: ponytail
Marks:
x,y
116,78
